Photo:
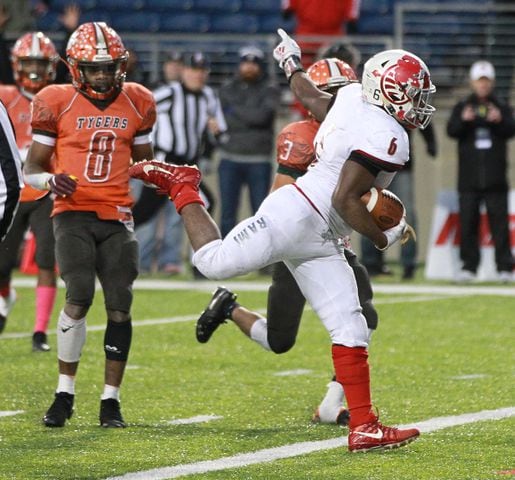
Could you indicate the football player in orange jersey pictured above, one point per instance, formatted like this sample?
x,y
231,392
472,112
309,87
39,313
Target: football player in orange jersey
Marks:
x,y
34,60
93,127
278,331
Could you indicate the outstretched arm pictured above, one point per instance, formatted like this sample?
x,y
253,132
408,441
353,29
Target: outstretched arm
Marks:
x,y
288,54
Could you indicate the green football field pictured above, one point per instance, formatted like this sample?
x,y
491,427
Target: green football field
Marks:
x,y
442,358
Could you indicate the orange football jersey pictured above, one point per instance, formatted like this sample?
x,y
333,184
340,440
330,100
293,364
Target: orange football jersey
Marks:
x,y
295,150
18,107
94,144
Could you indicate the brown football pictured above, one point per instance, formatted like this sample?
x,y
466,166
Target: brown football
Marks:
x,y
385,207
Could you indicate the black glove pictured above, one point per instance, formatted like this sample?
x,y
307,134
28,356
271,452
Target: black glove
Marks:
x,y
62,184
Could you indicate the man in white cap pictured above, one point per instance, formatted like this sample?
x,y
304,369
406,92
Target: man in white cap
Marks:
x,y
483,124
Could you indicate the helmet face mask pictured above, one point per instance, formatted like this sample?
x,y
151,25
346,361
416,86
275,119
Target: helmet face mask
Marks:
x,y
97,60
400,82
34,60
330,74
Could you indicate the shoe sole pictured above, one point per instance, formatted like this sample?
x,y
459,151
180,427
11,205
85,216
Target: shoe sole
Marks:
x,y
113,424
53,424
390,446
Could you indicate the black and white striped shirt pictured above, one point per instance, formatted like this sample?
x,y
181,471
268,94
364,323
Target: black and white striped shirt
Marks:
x,y
182,117
10,173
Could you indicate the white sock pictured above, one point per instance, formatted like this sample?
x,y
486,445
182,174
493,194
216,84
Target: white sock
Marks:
x,y
66,384
332,403
110,392
259,333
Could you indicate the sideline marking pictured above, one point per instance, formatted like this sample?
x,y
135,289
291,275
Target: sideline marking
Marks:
x,y
10,413
303,448
197,419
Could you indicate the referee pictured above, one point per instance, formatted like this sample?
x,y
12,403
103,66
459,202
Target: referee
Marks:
x,y
189,123
10,173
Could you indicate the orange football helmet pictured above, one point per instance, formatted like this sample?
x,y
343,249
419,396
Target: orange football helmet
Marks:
x,y
95,47
329,74
34,60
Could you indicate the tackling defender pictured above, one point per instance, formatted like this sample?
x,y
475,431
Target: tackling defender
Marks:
x,y
93,127
278,331
360,144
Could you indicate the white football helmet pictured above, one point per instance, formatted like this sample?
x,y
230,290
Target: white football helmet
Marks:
x,y
400,82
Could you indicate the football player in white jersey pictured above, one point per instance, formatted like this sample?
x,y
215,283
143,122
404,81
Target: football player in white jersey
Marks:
x,y
360,144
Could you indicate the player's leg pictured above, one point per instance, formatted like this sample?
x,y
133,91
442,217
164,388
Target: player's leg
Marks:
x,y
277,331
76,258
469,204
337,304
117,269
46,290
8,256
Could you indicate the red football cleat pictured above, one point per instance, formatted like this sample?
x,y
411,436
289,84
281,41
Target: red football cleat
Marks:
x,y
165,175
375,436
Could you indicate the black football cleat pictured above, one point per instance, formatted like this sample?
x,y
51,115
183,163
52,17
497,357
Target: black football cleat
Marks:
x,y
215,313
60,410
39,342
110,414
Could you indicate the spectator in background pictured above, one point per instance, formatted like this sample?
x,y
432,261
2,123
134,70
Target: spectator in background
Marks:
x,y
172,67
186,110
160,238
250,103
319,17
483,124
70,21
19,14
135,72
34,59
403,185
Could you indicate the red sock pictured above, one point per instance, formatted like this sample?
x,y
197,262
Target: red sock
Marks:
x,y
4,290
183,194
352,371
45,299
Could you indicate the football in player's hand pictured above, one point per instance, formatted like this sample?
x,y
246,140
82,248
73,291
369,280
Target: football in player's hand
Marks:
x,y
385,207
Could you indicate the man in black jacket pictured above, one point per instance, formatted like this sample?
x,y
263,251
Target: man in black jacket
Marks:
x,y
482,124
250,103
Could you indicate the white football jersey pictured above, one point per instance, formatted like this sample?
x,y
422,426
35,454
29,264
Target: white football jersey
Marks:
x,y
354,129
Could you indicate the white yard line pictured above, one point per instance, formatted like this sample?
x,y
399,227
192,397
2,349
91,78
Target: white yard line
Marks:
x,y
10,413
303,448
197,419
210,286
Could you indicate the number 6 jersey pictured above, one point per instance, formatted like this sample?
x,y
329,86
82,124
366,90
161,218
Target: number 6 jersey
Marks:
x,y
93,142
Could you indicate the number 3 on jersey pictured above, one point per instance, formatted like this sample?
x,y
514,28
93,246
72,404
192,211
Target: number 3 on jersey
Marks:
x,y
100,156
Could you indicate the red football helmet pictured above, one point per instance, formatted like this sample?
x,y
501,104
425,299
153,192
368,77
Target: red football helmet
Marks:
x,y
329,74
34,61
95,47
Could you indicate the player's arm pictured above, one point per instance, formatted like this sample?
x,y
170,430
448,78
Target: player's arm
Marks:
x,y
142,152
353,182
37,171
288,54
311,97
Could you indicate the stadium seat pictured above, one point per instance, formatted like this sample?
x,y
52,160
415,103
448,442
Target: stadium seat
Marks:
x,y
136,22
122,5
168,5
235,23
184,22
95,16
60,5
261,6
271,22
376,7
49,22
375,24
218,5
